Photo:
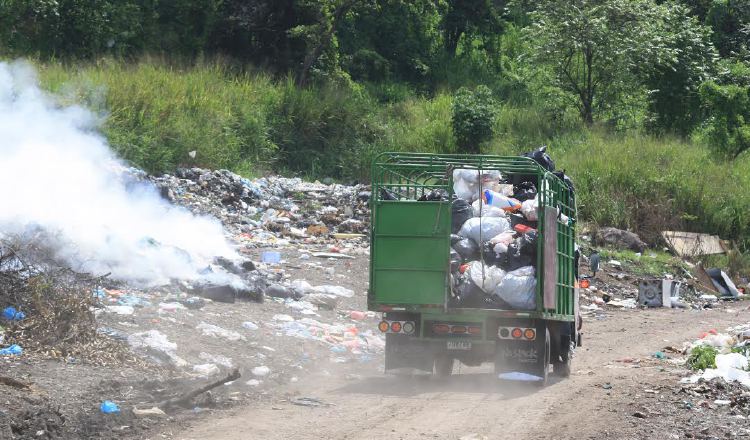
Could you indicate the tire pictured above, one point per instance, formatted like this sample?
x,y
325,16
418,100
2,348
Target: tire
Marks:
x,y
563,367
443,366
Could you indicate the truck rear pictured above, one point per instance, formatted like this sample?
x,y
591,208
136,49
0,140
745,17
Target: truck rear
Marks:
x,y
519,310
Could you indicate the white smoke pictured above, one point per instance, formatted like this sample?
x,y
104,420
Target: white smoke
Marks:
x,y
58,174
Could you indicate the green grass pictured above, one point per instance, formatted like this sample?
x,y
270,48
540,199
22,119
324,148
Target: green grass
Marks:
x,y
650,263
702,357
250,123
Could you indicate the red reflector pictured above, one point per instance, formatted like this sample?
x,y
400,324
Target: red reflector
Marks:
x,y
529,333
585,284
383,326
516,333
441,328
475,330
395,326
461,329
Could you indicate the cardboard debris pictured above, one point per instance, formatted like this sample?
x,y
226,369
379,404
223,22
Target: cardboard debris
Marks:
x,y
692,244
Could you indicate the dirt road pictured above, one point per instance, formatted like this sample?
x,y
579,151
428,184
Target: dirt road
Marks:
x,y
597,401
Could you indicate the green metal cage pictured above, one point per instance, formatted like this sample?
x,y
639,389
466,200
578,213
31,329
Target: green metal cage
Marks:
x,y
410,240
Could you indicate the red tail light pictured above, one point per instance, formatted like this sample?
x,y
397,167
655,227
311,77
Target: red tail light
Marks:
x,y
458,329
516,333
441,329
395,326
475,330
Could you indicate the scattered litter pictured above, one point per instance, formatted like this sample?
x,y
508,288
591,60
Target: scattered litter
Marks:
x,y
120,310
253,382
332,255
150,412
261,371
519,376
249,325
13,350
218,332
109,407
216,359
11,314
206,370
308,401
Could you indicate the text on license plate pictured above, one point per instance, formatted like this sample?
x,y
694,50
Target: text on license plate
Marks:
x,y
459,345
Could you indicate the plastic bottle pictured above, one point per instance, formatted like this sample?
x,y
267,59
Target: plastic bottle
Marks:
x,y
498,200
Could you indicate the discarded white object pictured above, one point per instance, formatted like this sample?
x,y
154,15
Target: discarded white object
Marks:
x,y
516,375
206,370
158,342
731,360
282,318
334,290
261,371
120,310
150,412
709,298
253,382
250,325
216,359
615,263
218,332
721,402
332,255
170,307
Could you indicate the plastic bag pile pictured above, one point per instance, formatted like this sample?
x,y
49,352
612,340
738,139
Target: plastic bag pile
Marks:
x,y
494,240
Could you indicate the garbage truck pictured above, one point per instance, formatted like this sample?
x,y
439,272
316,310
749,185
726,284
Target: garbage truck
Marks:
x,y
520,309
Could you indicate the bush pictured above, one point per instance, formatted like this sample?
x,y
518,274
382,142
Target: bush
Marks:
x,y
473,116
702,357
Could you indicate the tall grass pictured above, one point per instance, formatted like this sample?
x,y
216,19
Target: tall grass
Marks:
x,y
158,113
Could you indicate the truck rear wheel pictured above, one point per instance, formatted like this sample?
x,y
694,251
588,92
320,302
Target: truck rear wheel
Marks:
x,y
443,366
544,373
562,367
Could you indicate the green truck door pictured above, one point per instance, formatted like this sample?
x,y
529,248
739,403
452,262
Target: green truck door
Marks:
x,y
410,252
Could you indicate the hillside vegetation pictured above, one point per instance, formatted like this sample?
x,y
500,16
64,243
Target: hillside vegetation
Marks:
x,y
643,103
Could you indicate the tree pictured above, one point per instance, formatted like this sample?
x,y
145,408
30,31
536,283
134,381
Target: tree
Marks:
x,y
728,126
481,18
473,117
595,47
674,104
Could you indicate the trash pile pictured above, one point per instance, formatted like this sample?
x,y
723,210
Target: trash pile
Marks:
x,y
268,209
494,240
721,355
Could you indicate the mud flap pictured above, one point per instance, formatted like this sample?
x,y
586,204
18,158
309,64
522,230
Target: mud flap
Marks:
x,y
404,352
523,356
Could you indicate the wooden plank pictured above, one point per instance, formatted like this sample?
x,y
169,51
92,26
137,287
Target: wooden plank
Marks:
x,y
550,258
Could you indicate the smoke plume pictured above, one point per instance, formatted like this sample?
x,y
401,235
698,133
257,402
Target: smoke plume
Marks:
x,y
58,175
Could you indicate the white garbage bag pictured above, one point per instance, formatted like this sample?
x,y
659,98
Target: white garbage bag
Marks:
x,y
487,280
530,209
486,210
518,288
468,183
482,229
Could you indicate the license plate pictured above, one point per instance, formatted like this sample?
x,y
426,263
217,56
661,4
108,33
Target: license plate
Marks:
x,y
459,345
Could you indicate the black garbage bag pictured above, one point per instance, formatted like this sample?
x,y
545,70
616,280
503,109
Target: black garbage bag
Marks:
x,y
469,295
386,194
519,219
524,191
515,259
436,195
489,255
541,157
455,238
461,211
526,244
468,250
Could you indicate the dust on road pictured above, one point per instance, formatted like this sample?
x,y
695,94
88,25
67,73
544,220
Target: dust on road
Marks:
x,y
597,401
